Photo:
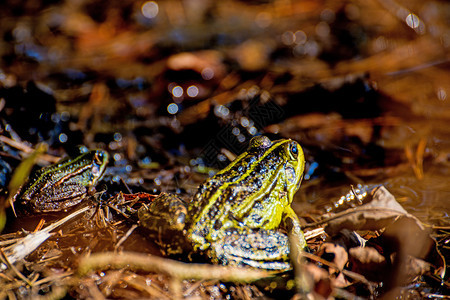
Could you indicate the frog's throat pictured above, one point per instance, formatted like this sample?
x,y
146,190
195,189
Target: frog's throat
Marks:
x,y
102,168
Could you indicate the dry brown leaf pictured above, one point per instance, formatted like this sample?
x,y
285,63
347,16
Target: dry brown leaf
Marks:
x,y
375,215
407,251
338,255
322,283
366,255
369,262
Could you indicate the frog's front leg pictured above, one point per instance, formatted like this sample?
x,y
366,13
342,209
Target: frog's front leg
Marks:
x,y
264,249
165,212
165,218
292,224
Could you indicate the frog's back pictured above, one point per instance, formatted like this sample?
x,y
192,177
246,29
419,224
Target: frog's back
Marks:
x,y
239,192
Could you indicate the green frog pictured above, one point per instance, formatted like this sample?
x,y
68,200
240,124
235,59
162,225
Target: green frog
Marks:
x,y
63,184
235,216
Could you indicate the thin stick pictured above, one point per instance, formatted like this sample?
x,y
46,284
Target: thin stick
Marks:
x,y
27,149
169,267
124,238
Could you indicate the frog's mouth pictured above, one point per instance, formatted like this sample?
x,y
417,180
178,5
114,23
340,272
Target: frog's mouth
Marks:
x,y
99,168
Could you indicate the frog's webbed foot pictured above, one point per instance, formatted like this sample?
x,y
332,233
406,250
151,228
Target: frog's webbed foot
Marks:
x,y
165,212
264,249
165,219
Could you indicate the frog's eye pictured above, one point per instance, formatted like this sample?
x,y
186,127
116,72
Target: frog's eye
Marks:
x,y
98,157
293,150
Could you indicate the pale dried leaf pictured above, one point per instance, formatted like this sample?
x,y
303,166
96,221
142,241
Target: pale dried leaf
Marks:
x,y
366,255
375,215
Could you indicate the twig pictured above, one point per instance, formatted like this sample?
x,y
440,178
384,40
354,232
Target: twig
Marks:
x,y
153,290
57,277
302,280
358,210
28,244
416,159
124,238
169,267
348,273
28,149
12,267
310,234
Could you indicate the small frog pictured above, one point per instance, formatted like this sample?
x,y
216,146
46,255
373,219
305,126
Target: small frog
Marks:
x,y
235,215
63,184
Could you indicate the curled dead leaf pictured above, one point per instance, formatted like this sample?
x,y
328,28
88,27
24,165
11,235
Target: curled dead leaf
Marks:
x,y
368,262
375,215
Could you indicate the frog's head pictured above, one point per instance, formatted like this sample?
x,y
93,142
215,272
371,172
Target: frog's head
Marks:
x,y
286,156
96,160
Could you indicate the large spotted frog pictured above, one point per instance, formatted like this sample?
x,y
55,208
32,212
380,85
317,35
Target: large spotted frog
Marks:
x,y
235,216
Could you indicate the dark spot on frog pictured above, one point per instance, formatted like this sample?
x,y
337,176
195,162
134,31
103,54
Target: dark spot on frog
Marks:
x,y
246,246
217,225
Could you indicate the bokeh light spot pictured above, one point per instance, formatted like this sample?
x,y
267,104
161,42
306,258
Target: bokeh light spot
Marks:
x,y
207,73
263,19
441,94
288,38
172,108
150,9
117,137
300,37
221,111
63,138
65,116
192,91
322,29
177,91
412,21
245,122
